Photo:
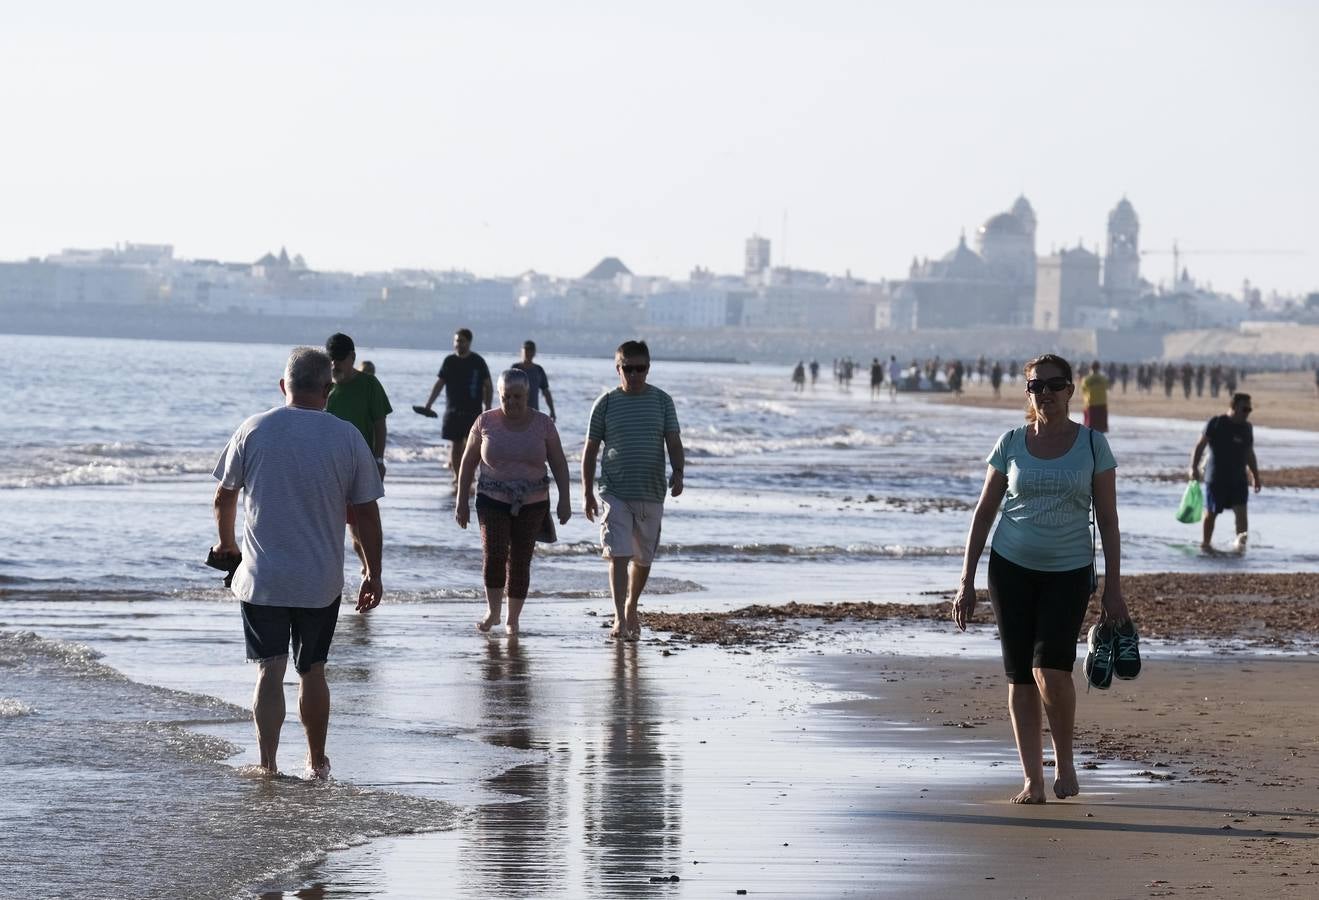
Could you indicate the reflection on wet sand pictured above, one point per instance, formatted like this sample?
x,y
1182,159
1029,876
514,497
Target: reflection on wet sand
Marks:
x,y
515,849
632,806
601,816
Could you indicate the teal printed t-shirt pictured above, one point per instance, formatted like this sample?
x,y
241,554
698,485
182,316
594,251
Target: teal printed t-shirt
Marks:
x,y
1045,523
632,429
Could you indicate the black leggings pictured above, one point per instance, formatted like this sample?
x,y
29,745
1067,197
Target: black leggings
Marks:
x,y
508,542
1039,616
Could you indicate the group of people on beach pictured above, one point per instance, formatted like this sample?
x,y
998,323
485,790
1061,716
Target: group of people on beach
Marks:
x,y
306,468
317,461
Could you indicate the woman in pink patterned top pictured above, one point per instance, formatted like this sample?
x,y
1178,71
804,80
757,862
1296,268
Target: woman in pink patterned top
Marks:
x,y
512,444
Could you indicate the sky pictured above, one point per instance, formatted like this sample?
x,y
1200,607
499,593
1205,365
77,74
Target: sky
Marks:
x,y
505,136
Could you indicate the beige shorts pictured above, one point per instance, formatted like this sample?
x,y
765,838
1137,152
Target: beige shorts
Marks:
x,y
630,528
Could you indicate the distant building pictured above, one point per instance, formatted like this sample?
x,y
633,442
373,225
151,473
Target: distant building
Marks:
x,y
1066,289
1122,286
964,288
607,269
757,256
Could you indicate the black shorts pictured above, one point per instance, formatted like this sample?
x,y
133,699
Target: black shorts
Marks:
x,y
1039,616
269,629
1220,496
457,423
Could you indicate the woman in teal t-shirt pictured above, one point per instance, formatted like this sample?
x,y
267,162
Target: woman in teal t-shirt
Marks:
x,y
1040,565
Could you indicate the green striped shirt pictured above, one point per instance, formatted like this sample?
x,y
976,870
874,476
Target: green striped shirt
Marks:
x,y
632,428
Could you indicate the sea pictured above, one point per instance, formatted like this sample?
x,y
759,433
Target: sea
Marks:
x,y
124,708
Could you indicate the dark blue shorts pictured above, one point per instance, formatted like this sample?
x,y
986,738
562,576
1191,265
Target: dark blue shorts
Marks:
x,y
1221,496
270,629
1039,616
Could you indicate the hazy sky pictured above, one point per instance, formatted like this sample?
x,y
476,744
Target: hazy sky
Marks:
x,y
502,136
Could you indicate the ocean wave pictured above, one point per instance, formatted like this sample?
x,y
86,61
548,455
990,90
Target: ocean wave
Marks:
x,y
97,464
836,437
769,551
12,709
102,750
28,650
17,647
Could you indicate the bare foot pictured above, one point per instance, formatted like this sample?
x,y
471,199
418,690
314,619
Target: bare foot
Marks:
x,y
1065,785
511,628
319,771
633,630
1031,793
490,621
616,630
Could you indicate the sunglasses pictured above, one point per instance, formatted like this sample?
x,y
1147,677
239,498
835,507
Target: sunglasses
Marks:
x,y
1038,385
635,370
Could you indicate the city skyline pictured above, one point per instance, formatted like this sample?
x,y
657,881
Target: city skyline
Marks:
x,y
512,138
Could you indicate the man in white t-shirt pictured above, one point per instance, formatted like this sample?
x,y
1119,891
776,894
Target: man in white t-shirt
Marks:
x,y
299,467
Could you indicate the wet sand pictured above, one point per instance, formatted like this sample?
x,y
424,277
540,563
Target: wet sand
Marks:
x,y
869,754
1279,400
1227,746
1244,608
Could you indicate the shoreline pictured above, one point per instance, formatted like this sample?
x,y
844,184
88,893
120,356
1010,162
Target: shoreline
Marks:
x,y
1280,400
1200,775
1264,610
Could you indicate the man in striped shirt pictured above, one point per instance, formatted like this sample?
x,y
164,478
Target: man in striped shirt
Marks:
x,y
636,423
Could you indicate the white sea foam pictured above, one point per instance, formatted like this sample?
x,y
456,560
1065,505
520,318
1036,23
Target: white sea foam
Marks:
x,y
12,709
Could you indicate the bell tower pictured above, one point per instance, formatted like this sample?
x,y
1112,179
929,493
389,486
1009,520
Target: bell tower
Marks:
x,y
1122,261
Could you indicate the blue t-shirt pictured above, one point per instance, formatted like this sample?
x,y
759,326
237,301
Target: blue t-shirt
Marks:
x,y
1045,523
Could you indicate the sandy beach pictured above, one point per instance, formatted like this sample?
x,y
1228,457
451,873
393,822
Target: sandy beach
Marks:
x,y
871,755
1279,400
850,743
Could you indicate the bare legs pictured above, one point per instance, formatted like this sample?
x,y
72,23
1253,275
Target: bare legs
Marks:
x,y
1242,523
455,459
626,582
494,604
268,711
1053,695
314,711
268,708
514,611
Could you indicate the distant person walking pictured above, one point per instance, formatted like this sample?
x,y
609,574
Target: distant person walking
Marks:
x,y
1045,477
996,379
894,373
1094,396
298,467
1231,468
815,372
636,423
359,399
876,376
465,379
512,445
799,377
537,379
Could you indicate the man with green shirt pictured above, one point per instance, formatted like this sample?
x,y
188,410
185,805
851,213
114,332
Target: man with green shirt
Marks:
x,y
357,398
636,422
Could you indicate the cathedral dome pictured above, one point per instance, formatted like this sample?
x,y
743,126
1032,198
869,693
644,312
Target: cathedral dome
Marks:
x,y
1003,224
961,262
